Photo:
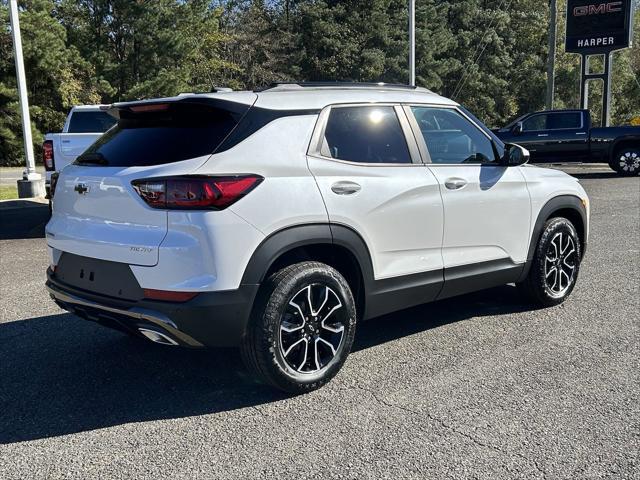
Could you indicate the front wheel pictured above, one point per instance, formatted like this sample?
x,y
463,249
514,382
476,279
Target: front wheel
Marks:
x,y
626,161
302,328
555,265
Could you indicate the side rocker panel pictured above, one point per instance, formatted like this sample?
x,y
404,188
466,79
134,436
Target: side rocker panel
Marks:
x,y
381,296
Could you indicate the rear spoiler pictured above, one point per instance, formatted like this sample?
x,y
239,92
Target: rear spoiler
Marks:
x,y
117,110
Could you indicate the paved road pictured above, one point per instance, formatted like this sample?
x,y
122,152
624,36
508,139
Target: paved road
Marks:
x,y
10,175
476,387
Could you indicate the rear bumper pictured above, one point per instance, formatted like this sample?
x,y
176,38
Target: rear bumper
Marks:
x,y
213,319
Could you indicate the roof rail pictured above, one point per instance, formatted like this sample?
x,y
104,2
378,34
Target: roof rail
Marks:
x,y
213,90
299,85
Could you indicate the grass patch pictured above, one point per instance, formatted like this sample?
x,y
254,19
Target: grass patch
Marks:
x,y
8,192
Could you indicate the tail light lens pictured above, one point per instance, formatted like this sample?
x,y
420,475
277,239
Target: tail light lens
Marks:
x,y
195,193
47,156
168,296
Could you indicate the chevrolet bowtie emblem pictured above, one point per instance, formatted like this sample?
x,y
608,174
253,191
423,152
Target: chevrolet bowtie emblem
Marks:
x,y
81,188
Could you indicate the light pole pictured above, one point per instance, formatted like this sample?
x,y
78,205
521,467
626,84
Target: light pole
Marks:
x,y
31,184
412,42
551,60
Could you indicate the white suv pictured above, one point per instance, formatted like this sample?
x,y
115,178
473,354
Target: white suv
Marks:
x,y
276,220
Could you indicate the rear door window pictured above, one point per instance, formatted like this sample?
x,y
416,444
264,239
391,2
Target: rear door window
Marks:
x,y
565,120
157,134
367,134
90,122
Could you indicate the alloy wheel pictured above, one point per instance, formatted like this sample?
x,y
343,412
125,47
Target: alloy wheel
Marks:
x,y
629,161
312,328
560,263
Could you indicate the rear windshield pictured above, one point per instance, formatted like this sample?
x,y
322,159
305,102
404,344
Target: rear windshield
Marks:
x,y
164,133
90,122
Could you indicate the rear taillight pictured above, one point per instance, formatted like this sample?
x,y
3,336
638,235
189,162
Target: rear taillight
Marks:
x,y
47,156
168,296
195,193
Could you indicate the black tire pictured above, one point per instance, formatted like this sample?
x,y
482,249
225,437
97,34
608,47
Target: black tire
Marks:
x,y
268,348
626,161
559,247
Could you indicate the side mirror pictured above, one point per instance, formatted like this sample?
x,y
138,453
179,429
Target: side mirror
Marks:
x,y
515,155
517,128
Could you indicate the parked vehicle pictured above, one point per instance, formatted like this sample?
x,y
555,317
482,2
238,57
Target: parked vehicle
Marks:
x,y
277,220
83,126
567,136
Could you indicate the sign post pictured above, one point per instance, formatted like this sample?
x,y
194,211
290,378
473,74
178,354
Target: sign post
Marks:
x,y
596,27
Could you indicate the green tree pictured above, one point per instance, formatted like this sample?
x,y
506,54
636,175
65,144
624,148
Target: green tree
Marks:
x,y
147,48
260,45
57,77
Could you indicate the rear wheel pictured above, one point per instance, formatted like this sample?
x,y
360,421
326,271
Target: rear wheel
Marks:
x,y
555,266
626,161
302,328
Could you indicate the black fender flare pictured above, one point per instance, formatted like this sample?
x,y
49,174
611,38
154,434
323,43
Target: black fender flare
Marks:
x,y
290,238
561,202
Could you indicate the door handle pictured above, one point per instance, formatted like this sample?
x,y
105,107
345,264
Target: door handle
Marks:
x,y
543,134
345,188
455,183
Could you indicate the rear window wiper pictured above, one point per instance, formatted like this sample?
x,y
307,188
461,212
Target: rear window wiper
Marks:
x,y
91,158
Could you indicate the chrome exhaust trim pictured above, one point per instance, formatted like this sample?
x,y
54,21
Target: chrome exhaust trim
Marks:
x,y
156,318
157,337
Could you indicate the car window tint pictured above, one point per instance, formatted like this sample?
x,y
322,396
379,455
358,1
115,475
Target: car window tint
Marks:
x,y
365,134
537,122
90,122
178,132
564,120
451,138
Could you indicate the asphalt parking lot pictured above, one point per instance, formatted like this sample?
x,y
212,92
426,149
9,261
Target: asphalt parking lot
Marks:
x,y
474,387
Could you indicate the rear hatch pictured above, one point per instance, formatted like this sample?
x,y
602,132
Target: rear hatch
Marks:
x,y
97,212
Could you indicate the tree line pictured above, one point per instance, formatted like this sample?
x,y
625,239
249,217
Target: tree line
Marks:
x,y
489,55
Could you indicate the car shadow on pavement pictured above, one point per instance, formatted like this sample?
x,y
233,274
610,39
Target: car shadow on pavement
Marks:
x,y
61,375
23,219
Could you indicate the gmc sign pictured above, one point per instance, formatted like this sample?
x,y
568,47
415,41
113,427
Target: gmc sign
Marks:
x,y
596,26
601,8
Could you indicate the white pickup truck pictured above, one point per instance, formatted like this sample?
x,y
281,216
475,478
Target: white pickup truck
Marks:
x,y
83,126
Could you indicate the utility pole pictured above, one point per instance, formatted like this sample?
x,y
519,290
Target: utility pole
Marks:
x,y
551,60
31,184
412,42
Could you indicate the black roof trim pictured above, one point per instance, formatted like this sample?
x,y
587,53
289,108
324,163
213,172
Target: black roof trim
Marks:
x,y
254,120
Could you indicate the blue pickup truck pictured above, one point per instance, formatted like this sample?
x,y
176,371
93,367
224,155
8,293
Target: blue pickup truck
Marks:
x,y
567,136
